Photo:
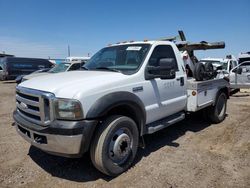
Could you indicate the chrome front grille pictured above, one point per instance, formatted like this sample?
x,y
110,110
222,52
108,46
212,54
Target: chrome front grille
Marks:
x,y
34,105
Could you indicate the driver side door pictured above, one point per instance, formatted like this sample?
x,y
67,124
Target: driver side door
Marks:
x,y
164,97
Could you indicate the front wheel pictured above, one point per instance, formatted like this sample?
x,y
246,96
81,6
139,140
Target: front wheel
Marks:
x,y
115,145
217,113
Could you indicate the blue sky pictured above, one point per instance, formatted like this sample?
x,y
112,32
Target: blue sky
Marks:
x,y
34,28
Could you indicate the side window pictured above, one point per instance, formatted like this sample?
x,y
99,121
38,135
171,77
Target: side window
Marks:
x,y
1,68
245,67
162,51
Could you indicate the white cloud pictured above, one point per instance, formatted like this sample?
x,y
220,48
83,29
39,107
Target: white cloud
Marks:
x,y
23,48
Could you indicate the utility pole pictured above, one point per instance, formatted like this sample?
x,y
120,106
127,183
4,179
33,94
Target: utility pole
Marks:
x,y
68,51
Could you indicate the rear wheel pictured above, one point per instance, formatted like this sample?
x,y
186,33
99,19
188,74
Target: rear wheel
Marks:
x,y
115,145
217,113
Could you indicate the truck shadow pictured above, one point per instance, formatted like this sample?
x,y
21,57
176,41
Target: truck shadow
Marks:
x,y
241,95
8,82
167,137
82,170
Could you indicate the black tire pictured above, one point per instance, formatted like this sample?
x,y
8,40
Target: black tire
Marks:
x,y
209,74
115,145
199,71
217,113
2,78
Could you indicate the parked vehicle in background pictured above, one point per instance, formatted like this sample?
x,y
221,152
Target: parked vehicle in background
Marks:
x,y
240,75
62,67
222,65
20,78
126,91
15,66
1,73
244,57
43,70
73,59
5,55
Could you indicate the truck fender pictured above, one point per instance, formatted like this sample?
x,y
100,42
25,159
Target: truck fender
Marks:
x,y
133,103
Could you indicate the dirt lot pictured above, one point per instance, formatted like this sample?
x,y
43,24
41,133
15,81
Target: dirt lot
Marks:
x,y
192,153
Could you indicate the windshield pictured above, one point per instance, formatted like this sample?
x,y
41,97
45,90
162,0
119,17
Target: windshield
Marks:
x,y
123,58
62,67
217,63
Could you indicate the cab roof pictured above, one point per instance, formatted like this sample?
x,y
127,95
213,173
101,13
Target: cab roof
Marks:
x,y
141,42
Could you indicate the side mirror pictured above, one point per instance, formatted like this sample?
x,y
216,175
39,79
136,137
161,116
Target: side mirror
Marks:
x,y
165,70
167,66
237,70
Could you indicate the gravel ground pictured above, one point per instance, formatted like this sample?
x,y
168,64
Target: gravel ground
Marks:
x,y
192,153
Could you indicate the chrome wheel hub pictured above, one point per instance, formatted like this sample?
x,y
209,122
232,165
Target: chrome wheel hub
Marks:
x,y
120,146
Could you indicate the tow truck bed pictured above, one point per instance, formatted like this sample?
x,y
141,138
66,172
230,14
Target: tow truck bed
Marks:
x,y
202,94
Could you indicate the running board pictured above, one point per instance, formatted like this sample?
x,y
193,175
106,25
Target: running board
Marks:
x,y
163,123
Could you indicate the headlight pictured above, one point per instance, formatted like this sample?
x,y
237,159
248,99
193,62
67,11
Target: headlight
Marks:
x,y
68,109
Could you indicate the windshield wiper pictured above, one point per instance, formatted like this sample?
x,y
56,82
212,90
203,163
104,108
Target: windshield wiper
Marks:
x,y
84,68
106,68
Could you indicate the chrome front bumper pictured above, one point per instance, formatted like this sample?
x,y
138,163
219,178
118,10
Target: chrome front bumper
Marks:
x,y
56,144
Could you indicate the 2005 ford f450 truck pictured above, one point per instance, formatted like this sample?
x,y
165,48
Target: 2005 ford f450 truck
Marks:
x,y
125,91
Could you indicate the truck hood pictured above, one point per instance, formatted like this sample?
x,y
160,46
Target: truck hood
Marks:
x,y
68,84
33,75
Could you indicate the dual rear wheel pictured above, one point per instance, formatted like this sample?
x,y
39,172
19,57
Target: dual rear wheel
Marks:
x,y
217,112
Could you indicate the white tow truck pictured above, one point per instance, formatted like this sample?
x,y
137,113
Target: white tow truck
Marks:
x,y
126,91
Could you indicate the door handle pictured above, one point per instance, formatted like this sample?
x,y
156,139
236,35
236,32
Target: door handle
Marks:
x,y
181,79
